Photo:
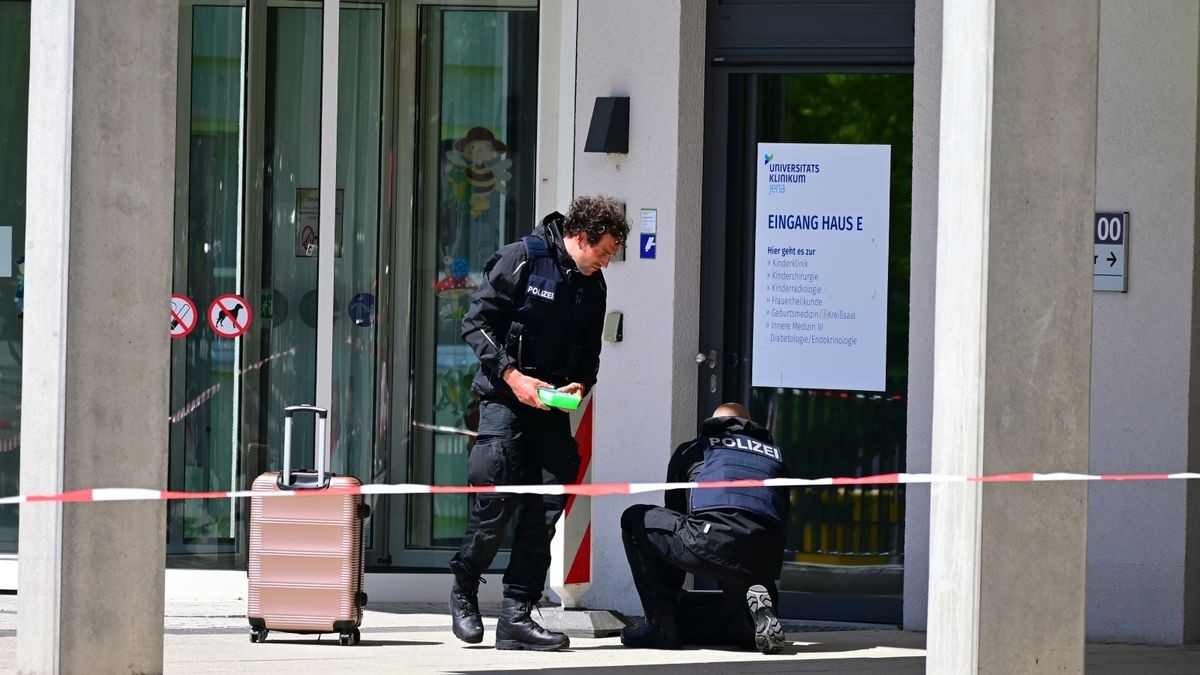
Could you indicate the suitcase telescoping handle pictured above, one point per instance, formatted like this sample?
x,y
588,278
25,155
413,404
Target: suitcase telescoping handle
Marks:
x,y
318,447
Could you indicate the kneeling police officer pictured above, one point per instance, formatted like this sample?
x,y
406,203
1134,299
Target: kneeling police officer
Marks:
x,y
734,535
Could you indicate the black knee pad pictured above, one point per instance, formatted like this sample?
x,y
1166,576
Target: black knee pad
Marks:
x,y
634,517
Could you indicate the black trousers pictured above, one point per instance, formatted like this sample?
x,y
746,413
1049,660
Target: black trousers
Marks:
x,y
516,445
659,562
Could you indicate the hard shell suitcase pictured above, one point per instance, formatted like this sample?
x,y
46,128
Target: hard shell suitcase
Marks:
x,y
306,551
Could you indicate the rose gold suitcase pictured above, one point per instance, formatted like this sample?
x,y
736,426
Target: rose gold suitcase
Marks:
x,y
306,551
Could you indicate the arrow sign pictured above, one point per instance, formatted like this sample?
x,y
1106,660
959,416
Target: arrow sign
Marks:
x,y
1110,244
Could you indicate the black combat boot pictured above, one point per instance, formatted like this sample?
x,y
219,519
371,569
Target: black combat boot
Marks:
x,y
464,610
768,633
659,632
517,630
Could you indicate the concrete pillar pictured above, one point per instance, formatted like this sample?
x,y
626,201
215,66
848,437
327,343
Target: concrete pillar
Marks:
x,y
652,52
98,278
1012,334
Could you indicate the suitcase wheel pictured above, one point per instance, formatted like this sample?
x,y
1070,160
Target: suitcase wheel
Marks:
x,y
258,634
364,511
351,638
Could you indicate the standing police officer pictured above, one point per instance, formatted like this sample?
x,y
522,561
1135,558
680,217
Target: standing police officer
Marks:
x,y
732,534
535,322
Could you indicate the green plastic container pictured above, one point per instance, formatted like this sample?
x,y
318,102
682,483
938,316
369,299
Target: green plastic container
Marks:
x,y
557,399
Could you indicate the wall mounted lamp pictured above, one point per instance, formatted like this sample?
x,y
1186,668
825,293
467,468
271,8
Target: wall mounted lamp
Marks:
x,y
609,129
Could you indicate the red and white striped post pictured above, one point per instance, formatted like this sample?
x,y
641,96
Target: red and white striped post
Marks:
x,y
571,549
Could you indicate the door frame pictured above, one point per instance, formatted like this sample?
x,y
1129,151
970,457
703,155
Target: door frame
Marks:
x,y
869,36
720,258
395,444
243,350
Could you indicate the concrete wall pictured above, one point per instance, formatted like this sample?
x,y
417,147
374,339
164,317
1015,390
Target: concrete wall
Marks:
x,y
927,85
646,396
1141,344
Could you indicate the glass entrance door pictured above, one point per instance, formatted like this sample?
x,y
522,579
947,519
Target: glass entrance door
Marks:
x,y
14,113
472,144
208,264
283,282
350,230
844,557
290,279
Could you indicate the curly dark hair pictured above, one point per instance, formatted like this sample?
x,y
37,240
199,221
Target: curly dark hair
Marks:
x,y
596,217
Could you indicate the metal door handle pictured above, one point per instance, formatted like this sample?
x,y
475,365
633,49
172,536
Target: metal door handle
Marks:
x,y
710,359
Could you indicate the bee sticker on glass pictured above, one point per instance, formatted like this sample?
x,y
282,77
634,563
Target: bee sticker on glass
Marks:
x,y
477,169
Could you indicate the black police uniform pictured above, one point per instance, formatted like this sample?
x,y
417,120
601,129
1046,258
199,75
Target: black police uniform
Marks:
x,y
534,310
734,535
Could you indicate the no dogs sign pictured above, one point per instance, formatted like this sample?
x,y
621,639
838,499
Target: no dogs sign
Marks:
x,y
229,315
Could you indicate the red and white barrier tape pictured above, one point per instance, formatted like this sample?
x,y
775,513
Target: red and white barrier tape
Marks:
x,y
589,489
444,430
14,442
195,403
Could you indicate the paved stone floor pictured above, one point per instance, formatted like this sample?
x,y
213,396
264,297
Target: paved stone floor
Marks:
x,y
415,638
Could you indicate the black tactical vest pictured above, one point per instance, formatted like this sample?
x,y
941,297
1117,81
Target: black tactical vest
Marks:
x,y
737,457
547,332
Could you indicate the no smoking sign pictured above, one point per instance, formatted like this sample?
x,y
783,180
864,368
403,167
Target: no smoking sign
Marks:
x,y
183,316
229,315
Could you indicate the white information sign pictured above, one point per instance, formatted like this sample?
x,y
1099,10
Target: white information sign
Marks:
x,y
1110,250
308,219
821,266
